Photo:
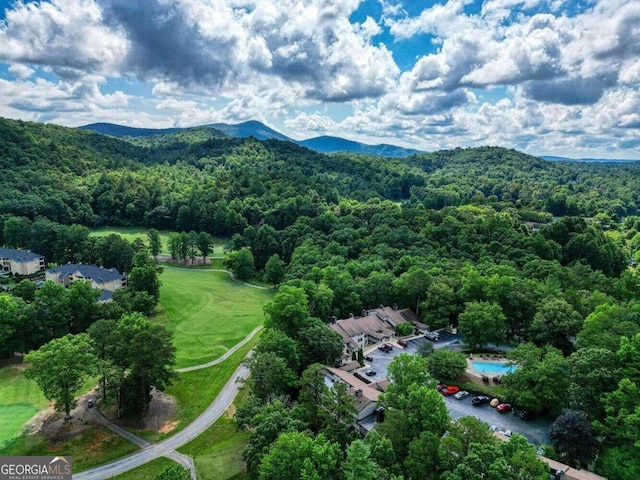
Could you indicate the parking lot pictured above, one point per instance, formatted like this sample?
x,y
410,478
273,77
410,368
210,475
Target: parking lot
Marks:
x,y
536,431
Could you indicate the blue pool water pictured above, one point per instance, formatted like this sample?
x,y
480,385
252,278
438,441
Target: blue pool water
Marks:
x,y
492,368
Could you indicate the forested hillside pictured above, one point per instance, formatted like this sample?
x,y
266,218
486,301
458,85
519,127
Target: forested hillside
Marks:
x,y
502,245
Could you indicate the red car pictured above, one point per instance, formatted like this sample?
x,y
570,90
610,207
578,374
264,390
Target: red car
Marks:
x,y
402,343
503,407
449,390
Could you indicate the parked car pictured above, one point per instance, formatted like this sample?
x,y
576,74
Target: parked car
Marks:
x,y
480,400
368,358
461,394
402,343
525,415
450,390
385,347
503,407
370,373
91,402
434,336
508,433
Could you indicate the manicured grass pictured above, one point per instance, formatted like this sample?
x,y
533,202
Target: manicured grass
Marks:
x,y
20,399
207,312
148,471
195,390
217,453
131,233
92,447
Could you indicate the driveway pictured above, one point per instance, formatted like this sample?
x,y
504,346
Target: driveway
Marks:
x,y
536,431
166,447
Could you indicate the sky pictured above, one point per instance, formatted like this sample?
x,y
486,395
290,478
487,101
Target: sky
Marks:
x,y
547,77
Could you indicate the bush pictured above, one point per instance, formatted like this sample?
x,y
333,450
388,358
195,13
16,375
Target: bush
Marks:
x,y
485,379
446,364
404,329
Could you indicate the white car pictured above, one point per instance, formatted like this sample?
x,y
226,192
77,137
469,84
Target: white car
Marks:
x,y
461,394
508,433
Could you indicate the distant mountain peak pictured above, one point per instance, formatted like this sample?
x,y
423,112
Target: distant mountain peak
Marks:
x,y
260,131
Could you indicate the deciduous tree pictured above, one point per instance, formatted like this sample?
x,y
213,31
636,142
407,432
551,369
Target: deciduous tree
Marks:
x,y
60,368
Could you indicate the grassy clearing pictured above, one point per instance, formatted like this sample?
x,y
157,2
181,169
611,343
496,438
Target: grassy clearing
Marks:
x,y
20,399
207,312
217,453
148,471
195,390
131,233
92,447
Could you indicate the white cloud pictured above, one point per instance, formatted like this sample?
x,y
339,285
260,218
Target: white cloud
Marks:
x,y
21,71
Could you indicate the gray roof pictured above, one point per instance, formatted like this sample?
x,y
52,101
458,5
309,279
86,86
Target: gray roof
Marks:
x,y
19,255
94,272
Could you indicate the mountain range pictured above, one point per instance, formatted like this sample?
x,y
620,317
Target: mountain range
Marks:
x,y
253,128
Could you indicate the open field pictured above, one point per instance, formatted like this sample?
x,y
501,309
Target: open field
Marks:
x,y
92,447
217,453
20,399
148,471
131,233
207,312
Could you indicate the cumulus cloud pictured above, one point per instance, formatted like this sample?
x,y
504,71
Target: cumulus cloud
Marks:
x,y
67,35
21,71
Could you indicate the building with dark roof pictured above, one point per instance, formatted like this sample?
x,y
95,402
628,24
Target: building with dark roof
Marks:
x,y
20,262
373,326
106,279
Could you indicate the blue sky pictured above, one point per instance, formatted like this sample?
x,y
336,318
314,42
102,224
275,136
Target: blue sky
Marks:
x,y
554,77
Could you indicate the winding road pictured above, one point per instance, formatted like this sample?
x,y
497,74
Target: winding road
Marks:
x,y
167,447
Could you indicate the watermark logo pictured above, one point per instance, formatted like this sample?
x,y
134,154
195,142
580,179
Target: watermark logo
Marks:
x,y
35,468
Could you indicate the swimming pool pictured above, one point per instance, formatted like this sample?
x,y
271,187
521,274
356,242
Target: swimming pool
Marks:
x,y
492,368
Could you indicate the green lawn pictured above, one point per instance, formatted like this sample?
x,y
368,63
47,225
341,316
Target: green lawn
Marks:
x,y
131,233
20,399
195,390
207,312
92,447
217,453
148,471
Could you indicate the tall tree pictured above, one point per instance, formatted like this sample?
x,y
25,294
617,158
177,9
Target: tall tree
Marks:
x,y
144,350
288,311
295,456
571,435
60,368
482,323
554,322
155,242
540,374
274,270
359,465
241,263
83,307
205,245
144,276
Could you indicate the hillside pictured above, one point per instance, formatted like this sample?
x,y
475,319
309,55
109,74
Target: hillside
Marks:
x,y
328,144
255,129
194,179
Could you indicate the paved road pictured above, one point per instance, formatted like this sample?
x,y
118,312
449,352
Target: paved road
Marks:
x,y
227,354
183,460
166,447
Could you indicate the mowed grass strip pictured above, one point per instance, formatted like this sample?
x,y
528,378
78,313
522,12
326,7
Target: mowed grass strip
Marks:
x,y
207,312
194,391
148,471
20,399
217,453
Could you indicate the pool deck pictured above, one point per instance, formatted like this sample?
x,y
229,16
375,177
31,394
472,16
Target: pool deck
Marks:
x,y
476,376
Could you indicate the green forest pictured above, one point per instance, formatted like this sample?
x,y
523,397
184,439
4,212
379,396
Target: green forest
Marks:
x,y
504,246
